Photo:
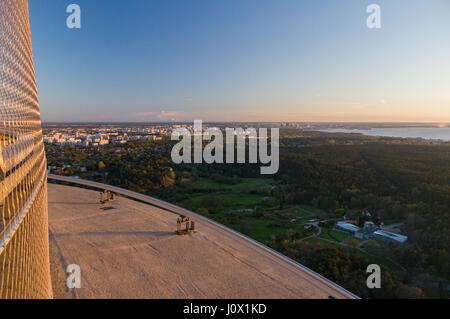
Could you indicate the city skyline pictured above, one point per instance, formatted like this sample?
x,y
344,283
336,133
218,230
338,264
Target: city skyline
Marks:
x,y
253,61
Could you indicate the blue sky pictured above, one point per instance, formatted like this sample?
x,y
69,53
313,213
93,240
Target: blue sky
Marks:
x,y
242,60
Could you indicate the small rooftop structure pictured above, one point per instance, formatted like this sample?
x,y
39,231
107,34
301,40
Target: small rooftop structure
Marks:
x,y
369,228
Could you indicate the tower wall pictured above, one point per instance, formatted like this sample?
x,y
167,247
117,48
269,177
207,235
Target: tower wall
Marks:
x,y
24,248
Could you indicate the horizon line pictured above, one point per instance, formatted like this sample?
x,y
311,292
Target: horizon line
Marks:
x,y
298,122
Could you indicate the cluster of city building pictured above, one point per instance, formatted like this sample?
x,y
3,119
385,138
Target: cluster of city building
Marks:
x,y
103,136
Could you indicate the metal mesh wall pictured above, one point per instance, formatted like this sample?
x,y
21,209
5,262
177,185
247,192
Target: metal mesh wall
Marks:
x,y
24,250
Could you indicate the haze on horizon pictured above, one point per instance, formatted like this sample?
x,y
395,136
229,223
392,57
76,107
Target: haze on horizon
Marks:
x,y
252,60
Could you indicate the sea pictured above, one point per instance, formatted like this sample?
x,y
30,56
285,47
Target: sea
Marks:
x,y
429,133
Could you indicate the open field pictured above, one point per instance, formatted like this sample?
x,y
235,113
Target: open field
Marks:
x,y
272,222
230,200
334,235
266,225
244,184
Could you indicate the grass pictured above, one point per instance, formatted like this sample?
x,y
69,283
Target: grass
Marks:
x,y
207,184
297,213
333,235
261,228
314,211
264,229
245,184
232,200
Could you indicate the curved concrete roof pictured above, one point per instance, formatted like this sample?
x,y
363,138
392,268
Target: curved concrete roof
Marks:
x,y
131,251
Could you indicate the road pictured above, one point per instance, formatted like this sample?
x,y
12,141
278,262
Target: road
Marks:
x,y
332,289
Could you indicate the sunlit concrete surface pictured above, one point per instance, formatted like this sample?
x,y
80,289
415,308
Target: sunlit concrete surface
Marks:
x,y
131,251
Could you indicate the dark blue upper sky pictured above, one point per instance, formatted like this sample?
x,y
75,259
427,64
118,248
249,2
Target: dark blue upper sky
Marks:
x,y
158,60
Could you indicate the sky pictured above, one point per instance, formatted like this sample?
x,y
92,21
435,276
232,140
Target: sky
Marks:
x,y
242,60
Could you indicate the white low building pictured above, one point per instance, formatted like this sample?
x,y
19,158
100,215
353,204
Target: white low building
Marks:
x,y
388,236
348,227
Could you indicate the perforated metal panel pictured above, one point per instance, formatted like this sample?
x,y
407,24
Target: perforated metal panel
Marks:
x,y
24,250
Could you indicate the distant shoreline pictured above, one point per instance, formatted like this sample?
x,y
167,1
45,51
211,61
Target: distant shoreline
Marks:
x,y
426,133
349,125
